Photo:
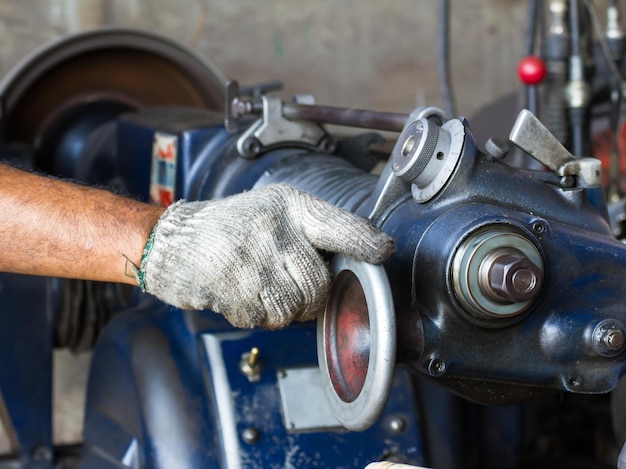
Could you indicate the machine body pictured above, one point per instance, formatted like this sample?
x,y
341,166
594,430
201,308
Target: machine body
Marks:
x,y
507,284
556,300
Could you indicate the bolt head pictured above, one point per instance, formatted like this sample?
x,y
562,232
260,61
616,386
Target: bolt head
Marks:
x,y
396,424
609,338
614,340
250,435
437,367
512,277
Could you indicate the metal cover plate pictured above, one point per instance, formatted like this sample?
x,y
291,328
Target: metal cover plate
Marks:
x,y
303,401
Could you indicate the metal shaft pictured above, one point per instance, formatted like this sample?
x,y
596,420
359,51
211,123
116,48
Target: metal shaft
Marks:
x,y
390,121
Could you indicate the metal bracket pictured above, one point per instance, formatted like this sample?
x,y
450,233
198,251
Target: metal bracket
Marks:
x,y
272,130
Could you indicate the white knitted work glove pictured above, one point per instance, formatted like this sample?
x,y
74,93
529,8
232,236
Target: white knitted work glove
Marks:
x,y
253,256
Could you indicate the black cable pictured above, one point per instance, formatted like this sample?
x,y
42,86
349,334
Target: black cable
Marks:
x,y
531,27
579,116
574,27
616,74
445,81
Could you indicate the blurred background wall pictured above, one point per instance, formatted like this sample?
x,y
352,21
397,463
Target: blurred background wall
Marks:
x,y
359,53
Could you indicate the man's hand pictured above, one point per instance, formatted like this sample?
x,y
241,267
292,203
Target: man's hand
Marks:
x,y
254,257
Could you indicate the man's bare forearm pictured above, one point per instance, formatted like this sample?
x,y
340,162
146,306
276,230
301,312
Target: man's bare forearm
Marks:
x,y
54,228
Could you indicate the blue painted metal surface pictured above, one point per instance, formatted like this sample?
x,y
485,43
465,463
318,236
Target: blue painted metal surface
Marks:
x,y
26,332
152,398
428,235
153,389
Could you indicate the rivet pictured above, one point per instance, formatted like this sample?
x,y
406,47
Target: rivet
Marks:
x,y
396,424
250,435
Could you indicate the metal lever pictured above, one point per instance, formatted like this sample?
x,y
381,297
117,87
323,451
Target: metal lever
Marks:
x,y
531,136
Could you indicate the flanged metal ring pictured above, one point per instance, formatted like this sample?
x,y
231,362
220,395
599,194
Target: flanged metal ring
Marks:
x,y
356,343
466,270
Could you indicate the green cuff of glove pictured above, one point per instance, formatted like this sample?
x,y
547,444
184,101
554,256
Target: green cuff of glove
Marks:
x,y
140,273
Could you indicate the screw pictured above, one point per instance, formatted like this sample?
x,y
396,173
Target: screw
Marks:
x,y
437,367
250,435
240,107
540,227
396,425
251,146
328,145
496,149
575,382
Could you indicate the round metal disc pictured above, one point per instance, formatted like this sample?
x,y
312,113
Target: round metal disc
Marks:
x,y
134,69
356,343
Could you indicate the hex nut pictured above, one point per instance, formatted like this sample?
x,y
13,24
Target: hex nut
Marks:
x,y
512,277
609,338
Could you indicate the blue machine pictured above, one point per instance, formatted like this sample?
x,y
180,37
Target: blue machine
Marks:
x,y
507,285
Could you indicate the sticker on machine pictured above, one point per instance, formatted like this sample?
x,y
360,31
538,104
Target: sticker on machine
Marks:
x,y
163,177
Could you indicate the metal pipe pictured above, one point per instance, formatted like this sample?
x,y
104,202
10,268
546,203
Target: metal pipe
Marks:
x,y
364,119
443,55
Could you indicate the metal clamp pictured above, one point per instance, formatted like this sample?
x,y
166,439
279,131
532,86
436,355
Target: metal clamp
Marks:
x,y
272,130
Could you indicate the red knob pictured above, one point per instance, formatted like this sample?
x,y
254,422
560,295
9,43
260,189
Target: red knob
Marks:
x,y
531,70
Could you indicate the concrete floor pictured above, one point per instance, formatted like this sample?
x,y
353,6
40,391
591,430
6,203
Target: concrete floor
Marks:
x,y
70,382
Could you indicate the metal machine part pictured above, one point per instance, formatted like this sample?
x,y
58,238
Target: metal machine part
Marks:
x,y
192,405
609,338
530,135
298,385
238,105
357,343
272,130
426,155
497,273
65,90
492,264
60,104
